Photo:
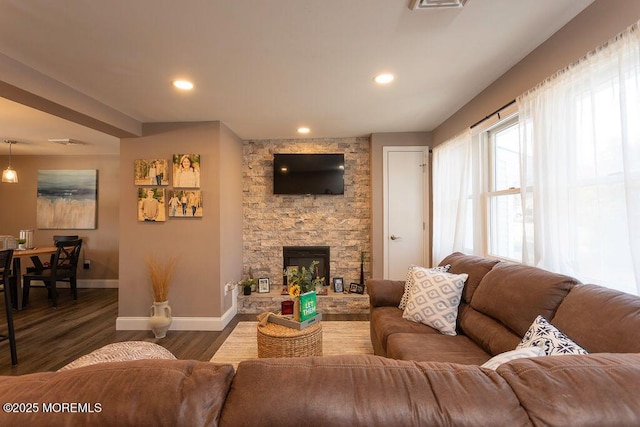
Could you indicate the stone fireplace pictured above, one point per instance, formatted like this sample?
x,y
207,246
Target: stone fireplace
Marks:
x,y
272,221
303,256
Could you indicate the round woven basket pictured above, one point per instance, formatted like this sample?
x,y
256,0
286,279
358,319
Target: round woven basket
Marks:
x,y
279,341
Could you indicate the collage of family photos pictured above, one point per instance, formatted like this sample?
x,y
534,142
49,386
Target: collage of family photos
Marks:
x,y
183,200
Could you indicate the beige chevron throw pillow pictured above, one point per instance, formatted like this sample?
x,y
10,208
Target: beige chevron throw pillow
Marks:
x,y
434,299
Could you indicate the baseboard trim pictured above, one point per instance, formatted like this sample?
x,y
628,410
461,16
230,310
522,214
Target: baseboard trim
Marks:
x,y
182,323
178,324
99,283
88,284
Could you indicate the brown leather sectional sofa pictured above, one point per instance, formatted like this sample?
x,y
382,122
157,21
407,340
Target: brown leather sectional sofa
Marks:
x,y
500,300
443,384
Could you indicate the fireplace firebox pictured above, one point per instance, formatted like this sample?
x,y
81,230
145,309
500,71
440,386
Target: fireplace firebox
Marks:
x,y
303,256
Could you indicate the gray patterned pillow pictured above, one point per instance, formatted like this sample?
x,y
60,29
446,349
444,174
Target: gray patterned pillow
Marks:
x,y
408,284
543,334
434,299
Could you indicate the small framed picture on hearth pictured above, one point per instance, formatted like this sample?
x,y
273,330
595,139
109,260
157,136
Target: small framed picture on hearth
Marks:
x,y
263,285
338,284
353,288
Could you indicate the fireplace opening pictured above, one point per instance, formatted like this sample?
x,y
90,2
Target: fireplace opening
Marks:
x,y
303,256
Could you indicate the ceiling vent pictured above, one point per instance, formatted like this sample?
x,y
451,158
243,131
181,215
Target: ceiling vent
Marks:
x,y
65,141
430,4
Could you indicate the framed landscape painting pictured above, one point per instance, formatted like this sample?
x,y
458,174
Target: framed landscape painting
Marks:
x,y
67,199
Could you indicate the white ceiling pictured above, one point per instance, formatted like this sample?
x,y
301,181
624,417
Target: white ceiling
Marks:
x,y
263,68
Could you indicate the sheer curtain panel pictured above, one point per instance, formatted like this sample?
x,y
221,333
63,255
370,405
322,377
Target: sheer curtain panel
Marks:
x,y
452,197
582,129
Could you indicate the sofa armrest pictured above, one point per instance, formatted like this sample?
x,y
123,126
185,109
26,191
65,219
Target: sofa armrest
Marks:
x,y
130,393
385,292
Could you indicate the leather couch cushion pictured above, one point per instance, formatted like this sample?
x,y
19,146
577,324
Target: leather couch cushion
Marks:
x,y
435,348
141,392
515,295
367,391
600,319
593,390
476,267
487,332
385,321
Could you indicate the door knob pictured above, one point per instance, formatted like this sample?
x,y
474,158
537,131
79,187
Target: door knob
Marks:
x,y
394,237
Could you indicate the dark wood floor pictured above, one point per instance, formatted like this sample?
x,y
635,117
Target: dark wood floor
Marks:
x,y
50,338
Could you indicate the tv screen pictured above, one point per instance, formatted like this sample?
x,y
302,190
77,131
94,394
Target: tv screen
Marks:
x,y
308,174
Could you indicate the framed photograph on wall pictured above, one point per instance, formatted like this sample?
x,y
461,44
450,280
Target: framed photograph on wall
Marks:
x,y
151,207
186,170
151,172
263,285
338,284
185,204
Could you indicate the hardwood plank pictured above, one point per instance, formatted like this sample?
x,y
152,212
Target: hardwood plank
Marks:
x,y
49,338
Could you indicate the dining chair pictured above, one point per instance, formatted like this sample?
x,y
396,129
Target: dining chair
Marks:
x,y
63,269
5,265
37,263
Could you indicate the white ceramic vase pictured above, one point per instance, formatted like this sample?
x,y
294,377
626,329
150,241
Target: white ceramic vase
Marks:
x,y
160,318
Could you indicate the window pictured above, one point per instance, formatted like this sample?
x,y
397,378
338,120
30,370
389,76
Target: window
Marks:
x,y
504,205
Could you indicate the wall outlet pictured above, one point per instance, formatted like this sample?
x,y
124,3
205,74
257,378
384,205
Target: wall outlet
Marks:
x,y
86,264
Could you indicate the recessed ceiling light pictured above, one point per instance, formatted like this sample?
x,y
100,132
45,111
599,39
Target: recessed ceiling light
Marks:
x,y
183,84
383,78
304,130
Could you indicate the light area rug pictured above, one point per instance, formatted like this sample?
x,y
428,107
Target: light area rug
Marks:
x,y
346,337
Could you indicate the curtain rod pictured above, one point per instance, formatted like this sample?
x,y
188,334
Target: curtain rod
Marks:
x,y
495,112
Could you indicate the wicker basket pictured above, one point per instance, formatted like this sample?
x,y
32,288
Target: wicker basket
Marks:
x,y
279,341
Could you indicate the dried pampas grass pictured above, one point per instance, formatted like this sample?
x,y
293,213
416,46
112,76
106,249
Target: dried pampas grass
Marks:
x,y
160,275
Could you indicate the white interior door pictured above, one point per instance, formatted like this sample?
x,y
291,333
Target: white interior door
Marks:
x,y
405,175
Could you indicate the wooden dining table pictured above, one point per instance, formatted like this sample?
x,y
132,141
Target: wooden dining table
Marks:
x,y
17,268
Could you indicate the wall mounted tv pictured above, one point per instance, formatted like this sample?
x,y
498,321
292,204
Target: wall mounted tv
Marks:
x,y
308,174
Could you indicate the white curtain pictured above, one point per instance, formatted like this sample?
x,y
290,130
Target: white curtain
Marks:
x,y
452,197
581,130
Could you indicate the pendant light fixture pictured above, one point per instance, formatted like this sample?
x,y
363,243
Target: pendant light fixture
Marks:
x,y
10,175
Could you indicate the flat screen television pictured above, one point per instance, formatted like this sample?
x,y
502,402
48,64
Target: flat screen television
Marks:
x,y
308,174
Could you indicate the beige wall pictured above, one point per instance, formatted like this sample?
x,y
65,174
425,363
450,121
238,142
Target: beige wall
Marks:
x,y
100,245
378,141
202,244
230,201
342,222
590,29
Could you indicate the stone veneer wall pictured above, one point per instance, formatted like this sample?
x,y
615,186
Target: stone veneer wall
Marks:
x,y
272,221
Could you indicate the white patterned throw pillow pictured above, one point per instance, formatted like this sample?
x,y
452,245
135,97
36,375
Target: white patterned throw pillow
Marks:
x,y
408,284
434,299
543,334
507,356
